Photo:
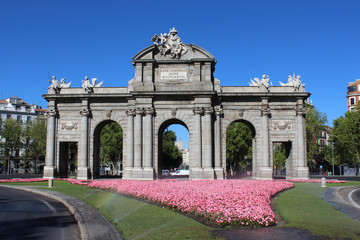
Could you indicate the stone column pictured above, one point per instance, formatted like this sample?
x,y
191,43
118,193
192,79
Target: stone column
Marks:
x,y
265,169
130,138
148,172
83,145
207,141
301,168
195,166
50,144
138,139
218,163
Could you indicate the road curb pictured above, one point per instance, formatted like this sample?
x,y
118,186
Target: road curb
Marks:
x,y
334,196
92,224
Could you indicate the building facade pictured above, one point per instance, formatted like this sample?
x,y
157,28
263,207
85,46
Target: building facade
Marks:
x,y
353,95
17,109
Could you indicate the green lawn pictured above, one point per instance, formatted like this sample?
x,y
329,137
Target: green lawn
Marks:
x,y
301,207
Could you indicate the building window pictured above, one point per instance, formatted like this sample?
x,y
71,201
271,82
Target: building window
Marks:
x,y
28,118
8,116
18,118
352,88
352,101
352,109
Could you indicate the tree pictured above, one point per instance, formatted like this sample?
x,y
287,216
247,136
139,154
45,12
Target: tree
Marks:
x,y
315,124
279,155
11,135
346,138
238,146
172,157
111,142
35,141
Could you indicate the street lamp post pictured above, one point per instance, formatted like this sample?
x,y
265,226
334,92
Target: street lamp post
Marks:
x,y
332,156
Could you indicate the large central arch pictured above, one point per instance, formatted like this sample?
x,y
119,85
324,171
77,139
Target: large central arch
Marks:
x,y
176,82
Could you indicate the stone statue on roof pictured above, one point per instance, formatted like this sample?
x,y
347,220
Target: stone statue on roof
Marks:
x,y
170,44
294,82
88,87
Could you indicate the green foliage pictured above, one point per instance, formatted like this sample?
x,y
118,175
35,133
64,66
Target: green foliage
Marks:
x,y
34,138
238,146
346,138
111,141
315,124
12,138
172,157
279,155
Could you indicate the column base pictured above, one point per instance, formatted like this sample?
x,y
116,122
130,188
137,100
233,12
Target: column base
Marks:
x,y
138,173
265,173
127,173
49,172
301,173
219,173
83,173
196,173
201,173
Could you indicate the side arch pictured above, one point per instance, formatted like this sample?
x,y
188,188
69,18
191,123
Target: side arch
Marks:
x,y
95,163
253,143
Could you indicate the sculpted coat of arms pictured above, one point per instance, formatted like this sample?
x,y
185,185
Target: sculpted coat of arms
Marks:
x,y
170,44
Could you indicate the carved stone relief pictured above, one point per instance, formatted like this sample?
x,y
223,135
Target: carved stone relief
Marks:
x,y
69,126
282,124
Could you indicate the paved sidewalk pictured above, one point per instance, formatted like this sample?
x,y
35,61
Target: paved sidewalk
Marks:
x,y
92,224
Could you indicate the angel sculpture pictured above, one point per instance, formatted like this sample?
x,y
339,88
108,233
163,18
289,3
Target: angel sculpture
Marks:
x,y
63,84
55,85
88,87
258,83
294,82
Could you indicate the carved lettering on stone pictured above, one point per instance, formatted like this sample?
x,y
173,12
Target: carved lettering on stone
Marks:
x,y
282,124
69,126
173,74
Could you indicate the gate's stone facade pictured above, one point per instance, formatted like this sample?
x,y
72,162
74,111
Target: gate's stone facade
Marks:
x,y
174,83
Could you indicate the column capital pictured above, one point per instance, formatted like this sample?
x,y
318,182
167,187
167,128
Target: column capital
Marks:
x,y
265,112
130,112
51,113
300,110
84,112
218,111
208,110
198,111
149,111
139,111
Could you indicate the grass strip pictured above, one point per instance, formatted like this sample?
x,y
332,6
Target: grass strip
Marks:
x,y
303,207
136,219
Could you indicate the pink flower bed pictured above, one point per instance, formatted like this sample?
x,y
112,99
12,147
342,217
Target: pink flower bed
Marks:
x,y
23,180
75,181
316,180
224,202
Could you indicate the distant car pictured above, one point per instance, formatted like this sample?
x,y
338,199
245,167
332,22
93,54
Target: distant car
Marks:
x,y
165,172
180,173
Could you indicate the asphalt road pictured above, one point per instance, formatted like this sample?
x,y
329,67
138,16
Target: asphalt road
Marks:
x,y
25,215
354,197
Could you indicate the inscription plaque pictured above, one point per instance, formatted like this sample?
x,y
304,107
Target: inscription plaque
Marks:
x,y
173,74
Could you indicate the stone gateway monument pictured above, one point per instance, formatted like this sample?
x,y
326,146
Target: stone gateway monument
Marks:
x,y
174,84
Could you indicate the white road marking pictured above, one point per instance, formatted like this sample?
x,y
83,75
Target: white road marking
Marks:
x,y
351,200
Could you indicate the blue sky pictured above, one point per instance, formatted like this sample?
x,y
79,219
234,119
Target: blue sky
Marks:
x,y
317,39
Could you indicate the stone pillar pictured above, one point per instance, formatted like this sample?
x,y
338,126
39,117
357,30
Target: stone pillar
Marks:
x,y
207,144
219,172
148,171
301,168
83,145
49,168
138,139
195,166
265,169
129,144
